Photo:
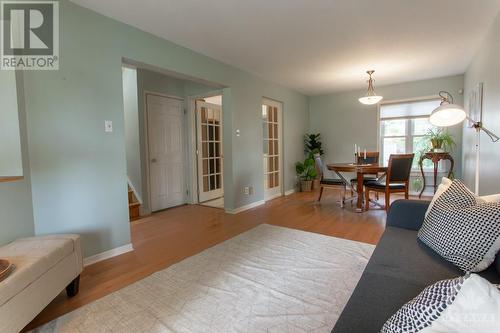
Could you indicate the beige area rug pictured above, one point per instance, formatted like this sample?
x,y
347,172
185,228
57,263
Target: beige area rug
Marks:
x,y
268,279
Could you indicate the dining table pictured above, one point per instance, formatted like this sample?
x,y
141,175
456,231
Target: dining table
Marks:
x,y
360,170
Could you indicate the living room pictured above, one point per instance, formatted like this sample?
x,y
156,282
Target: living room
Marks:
x,y
277,165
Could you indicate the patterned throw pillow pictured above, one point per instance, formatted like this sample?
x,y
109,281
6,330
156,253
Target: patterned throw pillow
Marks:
x,y
464,304
462,229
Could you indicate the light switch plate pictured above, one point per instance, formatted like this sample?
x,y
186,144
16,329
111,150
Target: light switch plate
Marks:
x,y
108,126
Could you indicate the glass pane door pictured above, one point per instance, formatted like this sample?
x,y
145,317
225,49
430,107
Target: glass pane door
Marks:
x,y
271,122
210,158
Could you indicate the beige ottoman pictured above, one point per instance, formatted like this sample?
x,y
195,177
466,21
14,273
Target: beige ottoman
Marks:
x,y
44,266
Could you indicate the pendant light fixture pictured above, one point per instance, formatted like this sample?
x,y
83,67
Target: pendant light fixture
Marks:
x,y
371,97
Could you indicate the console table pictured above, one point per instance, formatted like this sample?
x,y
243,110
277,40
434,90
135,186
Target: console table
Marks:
x,y
435,158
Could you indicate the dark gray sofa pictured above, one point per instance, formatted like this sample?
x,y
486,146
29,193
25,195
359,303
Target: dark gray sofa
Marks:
x,y
399,269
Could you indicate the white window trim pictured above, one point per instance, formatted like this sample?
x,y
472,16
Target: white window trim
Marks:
x,y
408,128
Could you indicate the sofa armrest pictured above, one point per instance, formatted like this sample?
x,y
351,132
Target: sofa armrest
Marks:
x,y
407,214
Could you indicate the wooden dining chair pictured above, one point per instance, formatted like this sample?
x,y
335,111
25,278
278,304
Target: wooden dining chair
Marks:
x,y
329,182
396,181
372,157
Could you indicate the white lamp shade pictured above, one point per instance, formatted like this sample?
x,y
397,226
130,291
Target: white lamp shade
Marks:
x,y
370,100
447,115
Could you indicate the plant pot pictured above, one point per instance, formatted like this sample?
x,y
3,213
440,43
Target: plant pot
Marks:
x,y
315,183
306,185
436,144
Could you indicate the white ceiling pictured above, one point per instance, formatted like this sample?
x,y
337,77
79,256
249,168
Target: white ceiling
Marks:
x,y
319,46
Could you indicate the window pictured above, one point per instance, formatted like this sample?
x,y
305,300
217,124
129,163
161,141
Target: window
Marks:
x,y
403,129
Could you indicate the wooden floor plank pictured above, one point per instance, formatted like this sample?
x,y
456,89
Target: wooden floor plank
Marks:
x,y
165,238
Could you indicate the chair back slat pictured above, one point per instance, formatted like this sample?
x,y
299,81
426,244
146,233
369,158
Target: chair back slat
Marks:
x,y
372,157
318,165
399,168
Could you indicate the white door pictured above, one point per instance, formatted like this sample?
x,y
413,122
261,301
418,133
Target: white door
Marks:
x,y
209,150
166,151
272,128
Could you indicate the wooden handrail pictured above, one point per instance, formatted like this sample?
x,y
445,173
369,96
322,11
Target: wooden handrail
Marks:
x,y
10,179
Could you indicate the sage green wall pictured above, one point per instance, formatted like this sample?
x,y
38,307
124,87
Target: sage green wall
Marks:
x,y
79,171
485,67
343,121
10,143
16,210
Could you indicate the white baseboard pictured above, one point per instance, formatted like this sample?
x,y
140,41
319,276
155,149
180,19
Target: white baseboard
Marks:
x,y
107,254
292,191
246,207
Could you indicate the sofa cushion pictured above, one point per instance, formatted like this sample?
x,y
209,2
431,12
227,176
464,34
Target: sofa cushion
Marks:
x,y
32,257
400,267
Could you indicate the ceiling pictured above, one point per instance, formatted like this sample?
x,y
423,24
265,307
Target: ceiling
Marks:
x,y
319,46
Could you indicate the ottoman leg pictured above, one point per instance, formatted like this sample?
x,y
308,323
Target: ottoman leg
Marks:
x,y
73,288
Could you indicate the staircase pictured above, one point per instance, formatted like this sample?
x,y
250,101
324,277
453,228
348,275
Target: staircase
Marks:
x,y
133,206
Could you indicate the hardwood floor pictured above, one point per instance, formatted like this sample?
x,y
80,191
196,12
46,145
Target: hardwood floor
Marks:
x,y
170,236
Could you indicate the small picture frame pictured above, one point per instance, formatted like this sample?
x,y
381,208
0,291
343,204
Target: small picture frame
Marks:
x,y
476,105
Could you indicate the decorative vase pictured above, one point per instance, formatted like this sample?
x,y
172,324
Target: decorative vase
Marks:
x,y
306,185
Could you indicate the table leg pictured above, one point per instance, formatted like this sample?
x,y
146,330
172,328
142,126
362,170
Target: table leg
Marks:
x,y
359,205
423,176
435,175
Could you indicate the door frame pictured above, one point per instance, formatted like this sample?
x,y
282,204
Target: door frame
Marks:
x,y
146,141
192,142
199,125
281,159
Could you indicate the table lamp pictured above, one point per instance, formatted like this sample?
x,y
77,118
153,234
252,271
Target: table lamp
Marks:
x,y
449,114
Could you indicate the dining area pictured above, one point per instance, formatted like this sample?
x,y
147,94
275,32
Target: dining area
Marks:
x,y
364,176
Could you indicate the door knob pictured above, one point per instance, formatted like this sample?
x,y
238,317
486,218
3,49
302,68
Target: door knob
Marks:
x,y
153,160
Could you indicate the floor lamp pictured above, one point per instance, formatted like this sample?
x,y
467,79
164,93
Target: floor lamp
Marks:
x,y
449,114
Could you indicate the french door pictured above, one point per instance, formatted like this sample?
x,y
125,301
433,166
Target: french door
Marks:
x,y
166,151
272,139
209,151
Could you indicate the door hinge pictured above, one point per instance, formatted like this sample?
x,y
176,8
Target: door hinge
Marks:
x,y
185,111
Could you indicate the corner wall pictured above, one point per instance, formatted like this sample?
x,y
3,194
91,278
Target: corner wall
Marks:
x,y
485,67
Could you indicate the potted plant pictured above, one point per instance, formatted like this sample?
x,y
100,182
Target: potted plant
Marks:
x,y
441,141
306,172
312,144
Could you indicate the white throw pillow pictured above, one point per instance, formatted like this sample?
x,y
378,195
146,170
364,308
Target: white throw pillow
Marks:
x,y
468,304
445,184
495,198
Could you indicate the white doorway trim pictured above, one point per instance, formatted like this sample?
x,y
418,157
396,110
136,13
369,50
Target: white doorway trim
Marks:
x,y
193,160
147,148
279,192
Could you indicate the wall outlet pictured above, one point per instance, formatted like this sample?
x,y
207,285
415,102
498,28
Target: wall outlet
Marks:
x,y
108,126
248,190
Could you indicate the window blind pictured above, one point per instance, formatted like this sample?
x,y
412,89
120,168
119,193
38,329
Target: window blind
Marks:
x,y
408,109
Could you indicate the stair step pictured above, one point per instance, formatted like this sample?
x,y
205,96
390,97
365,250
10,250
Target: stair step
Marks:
x,y
133,210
